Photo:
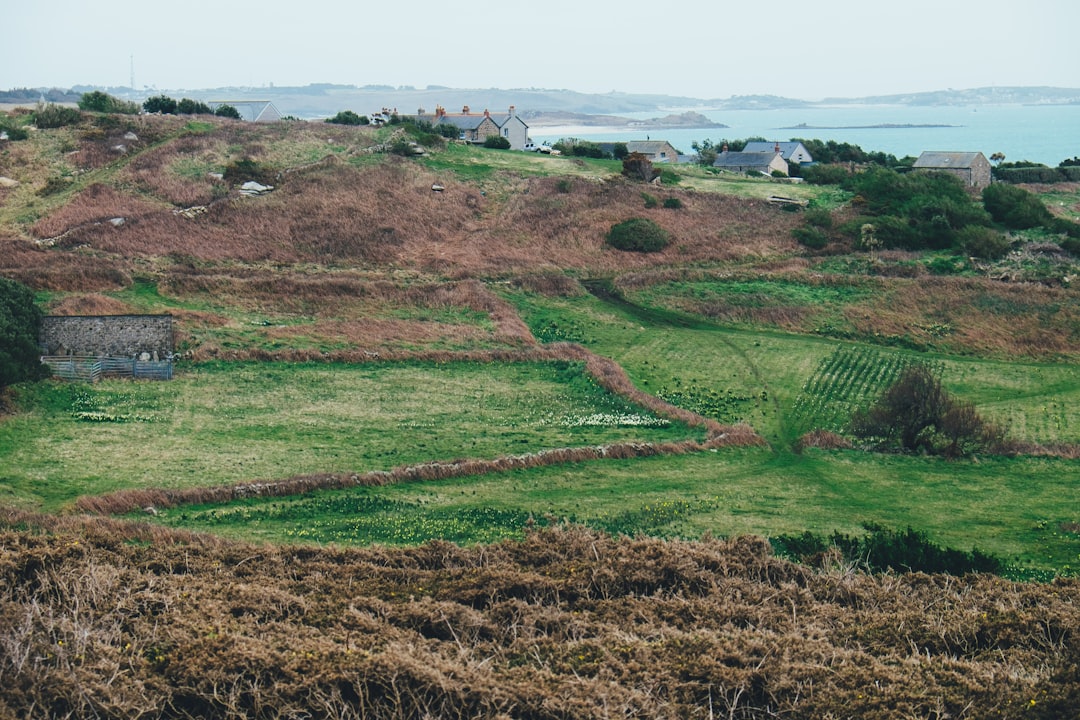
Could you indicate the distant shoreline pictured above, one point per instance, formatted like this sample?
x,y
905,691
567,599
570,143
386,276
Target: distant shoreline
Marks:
x,y
880,126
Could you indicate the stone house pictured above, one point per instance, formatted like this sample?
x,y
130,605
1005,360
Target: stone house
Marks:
x,y
746,162
972,168
793,152
478,127
658,151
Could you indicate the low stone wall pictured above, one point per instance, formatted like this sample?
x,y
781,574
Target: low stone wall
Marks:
x,y
129,336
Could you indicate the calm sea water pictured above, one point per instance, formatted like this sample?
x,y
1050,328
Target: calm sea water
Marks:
x,y
1045,134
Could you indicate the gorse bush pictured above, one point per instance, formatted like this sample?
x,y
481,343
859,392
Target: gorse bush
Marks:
x,y
927,209
638,235
348,117
245,169
56,116
883,550
983,242
1014,207
496,142
98,101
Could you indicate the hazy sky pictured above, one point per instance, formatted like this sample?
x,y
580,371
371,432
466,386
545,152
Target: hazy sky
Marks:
x,y
806,49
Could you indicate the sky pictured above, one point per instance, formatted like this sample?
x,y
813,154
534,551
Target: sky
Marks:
x,y
805,49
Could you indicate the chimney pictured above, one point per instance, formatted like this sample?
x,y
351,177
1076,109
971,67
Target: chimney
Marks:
x,y
776,148
512,113
465,110
486,113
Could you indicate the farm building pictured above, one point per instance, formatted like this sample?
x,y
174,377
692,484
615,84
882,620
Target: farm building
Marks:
x,y
971,167
89,346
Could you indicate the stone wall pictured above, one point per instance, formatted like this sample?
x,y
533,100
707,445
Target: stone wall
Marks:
x,y
127,336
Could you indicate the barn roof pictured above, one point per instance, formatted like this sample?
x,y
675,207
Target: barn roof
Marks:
x,y
939,160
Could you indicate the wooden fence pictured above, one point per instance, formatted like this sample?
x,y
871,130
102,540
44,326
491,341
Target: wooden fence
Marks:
x,y
91,369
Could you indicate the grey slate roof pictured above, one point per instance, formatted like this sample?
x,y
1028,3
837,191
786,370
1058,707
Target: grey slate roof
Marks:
x,y
939,160
744,159
786,148
648,147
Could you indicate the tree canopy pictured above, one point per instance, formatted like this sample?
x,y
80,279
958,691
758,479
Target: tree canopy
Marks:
x,y
20,323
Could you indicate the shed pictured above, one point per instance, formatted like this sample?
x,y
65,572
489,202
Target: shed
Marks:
x,y
972,168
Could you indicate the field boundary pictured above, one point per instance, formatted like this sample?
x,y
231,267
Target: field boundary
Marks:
x,y
150,500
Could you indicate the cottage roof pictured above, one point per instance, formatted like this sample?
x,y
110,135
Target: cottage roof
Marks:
x,y
744,159
462,121
939,160
648,147
787,149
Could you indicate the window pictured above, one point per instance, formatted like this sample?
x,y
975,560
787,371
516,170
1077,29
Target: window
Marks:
x,y
506,132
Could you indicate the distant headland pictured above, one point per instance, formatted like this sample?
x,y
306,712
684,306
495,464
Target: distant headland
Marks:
x,y
883,126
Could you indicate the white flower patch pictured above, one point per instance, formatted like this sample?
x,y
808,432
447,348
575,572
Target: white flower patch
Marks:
x,y
612,420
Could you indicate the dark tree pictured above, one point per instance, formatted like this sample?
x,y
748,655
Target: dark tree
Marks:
x,y
187,106
20,323
907,413
917,414
227,111
348,117
160,104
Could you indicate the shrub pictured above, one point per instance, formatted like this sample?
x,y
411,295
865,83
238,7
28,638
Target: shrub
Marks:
x,y
227,111
619,151
673,203
241,171
638,235
98,101
825,174
564,185
348,117
160,104
496,142
982,242
56,116
187,106
916,414
651,201
812,237
1015,207
14,130
818,217
883,550
20,323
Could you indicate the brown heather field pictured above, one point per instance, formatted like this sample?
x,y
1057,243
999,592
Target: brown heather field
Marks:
x,y
110,619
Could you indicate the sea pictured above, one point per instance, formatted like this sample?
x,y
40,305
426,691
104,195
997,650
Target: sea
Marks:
x,y
1045,134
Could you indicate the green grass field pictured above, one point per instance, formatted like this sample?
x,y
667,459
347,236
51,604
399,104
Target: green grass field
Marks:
x,y
1013,508
1021,509
225,423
